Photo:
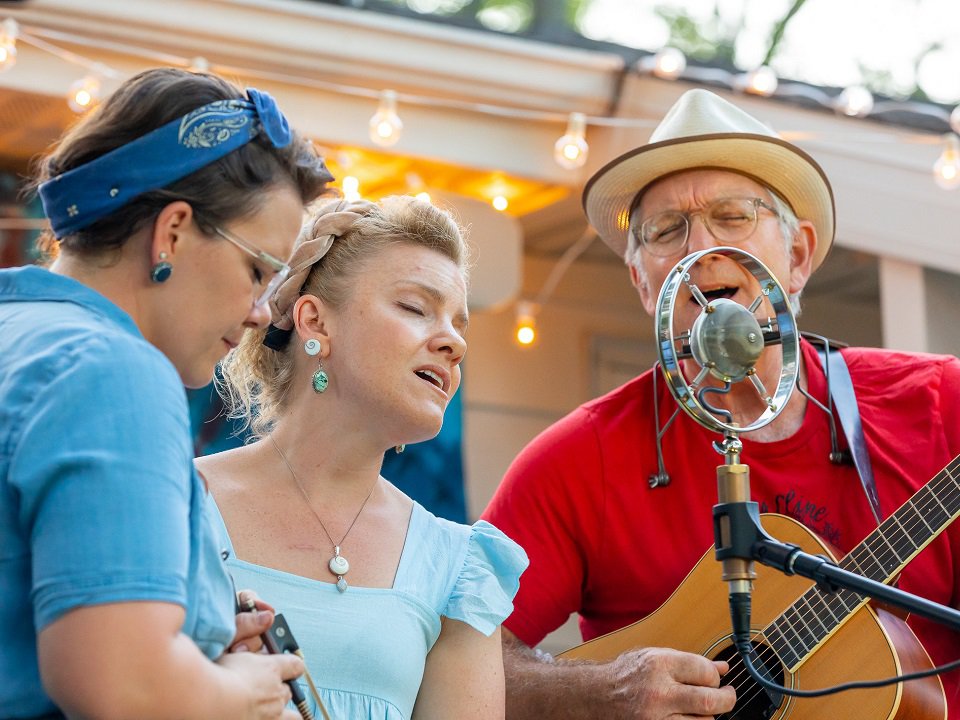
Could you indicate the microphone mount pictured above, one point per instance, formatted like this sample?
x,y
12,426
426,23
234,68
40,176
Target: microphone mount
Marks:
x,y
726,341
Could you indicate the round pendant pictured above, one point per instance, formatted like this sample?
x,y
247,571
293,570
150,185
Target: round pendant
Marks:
x,y
338,565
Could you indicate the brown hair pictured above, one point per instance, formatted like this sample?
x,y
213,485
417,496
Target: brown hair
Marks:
x,y
223,191
257,379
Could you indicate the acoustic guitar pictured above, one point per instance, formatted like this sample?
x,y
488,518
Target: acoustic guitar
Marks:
x,y
805,637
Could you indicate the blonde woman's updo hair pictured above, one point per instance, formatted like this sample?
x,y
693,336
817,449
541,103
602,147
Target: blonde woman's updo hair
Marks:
x,y
257,379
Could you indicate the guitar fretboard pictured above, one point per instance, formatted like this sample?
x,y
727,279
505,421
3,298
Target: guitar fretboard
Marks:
x,y
881,555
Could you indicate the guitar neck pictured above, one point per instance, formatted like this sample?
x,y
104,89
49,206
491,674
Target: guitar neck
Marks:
x,y
798,631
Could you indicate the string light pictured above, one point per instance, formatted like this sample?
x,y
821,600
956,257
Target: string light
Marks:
x,y
9,31
526,329
386,125
761,81
946,170
667,63
84,93
351,188
855,101
199,64
571,149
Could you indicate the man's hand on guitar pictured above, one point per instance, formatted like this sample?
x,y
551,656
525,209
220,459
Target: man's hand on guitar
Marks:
x,y
645,684
656,683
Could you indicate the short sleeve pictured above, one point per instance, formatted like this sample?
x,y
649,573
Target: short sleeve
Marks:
x,y
102,466
484,590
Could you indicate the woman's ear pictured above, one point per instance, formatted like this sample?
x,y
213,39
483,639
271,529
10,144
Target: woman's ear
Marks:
x,y
169,229
312,319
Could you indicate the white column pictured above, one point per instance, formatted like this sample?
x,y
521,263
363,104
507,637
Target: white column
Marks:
x,y
943,300
903,304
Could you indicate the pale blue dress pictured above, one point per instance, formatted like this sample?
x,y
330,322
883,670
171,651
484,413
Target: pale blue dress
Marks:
x,y
366,648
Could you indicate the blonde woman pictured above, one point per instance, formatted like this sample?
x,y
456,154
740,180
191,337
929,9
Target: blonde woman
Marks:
x,y
397,611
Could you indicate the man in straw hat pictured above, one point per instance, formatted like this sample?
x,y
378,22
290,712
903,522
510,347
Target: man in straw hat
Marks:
x,y
613,502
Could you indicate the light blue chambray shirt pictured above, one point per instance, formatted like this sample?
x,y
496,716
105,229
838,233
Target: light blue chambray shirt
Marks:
x,y
99,501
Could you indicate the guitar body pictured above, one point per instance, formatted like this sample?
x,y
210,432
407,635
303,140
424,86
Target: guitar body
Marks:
x,y
871,644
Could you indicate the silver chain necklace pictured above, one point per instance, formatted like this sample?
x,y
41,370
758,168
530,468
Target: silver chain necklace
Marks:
x,y
338,564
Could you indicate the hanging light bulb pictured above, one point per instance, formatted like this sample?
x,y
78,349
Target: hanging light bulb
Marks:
x,y
423,195
946,170
499,202
351,188
9,32
199,64
761,81
84,93
386,125
526,330
667,63
855,101
570,150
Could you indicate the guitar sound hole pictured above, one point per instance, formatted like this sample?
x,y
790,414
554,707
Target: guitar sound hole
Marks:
x,y
753,701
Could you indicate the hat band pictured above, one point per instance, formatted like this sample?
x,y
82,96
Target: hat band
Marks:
x,y
85,194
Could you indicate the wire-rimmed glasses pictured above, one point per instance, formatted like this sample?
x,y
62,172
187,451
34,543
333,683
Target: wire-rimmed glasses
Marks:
x,y
729,220
277,272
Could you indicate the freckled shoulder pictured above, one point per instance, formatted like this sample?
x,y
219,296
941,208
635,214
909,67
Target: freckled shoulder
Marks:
x,y
225,472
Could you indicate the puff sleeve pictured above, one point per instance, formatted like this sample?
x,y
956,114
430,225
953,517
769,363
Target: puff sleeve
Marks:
x,y
483,592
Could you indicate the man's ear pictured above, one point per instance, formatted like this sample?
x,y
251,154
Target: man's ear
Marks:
x,y
643,289
312,319
802,250
169,229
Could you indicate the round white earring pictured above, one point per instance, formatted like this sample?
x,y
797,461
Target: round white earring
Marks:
x,y
312,347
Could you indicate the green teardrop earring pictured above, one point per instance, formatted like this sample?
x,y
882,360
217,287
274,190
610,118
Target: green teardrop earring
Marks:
x,y
320,379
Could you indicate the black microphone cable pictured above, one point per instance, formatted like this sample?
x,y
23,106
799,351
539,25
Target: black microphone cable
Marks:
x,y
740,621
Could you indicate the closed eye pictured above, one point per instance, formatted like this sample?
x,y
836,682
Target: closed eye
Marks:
x,y
411,308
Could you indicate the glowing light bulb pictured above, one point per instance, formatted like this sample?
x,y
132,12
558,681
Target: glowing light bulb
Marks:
x,y
386,125
351,188
946,170
526,330
500,203
9,32
855,101
571,149
423,195
199,64
761,81
669,63
84,94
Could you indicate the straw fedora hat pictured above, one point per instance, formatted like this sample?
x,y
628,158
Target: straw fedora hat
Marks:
x,y
702,130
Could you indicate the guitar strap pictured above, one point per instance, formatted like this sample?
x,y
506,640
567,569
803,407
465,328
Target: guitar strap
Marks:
x,y
845,400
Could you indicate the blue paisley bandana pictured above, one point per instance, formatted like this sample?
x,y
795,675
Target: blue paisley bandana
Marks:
x,y
87,193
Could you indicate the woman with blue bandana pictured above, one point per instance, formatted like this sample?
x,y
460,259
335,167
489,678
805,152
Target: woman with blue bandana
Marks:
x,y
173,208
397,612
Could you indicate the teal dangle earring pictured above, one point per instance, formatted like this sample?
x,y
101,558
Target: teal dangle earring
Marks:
x,y
320,379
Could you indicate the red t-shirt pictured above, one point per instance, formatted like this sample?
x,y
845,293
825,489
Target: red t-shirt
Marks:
x,y
605,545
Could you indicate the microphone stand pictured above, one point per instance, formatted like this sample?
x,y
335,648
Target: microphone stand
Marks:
x,y
740,540
726,341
